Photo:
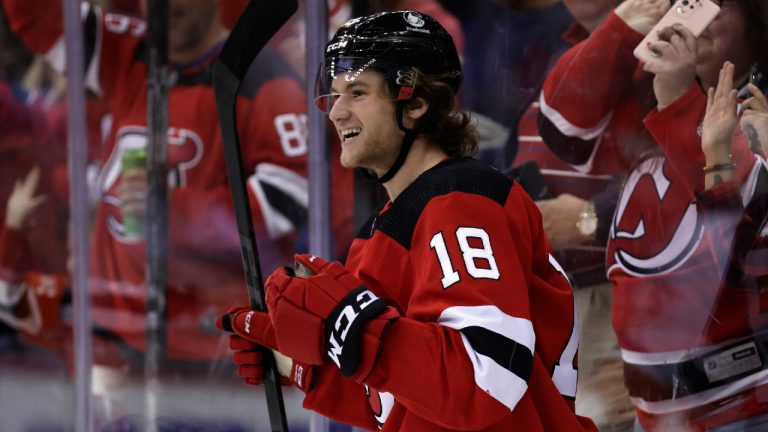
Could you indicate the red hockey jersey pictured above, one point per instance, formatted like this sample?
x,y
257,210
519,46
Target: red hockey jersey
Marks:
x,y
204,266
686,343
487,338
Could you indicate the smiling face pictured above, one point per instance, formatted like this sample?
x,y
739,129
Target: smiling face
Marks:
x,y
364,117
724,39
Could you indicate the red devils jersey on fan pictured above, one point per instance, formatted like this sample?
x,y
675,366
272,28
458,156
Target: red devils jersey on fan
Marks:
x,y
560,176
665,265
31,302
204,266
487,339
595,123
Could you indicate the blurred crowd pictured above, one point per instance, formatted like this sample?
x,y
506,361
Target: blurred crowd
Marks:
x,y
650,176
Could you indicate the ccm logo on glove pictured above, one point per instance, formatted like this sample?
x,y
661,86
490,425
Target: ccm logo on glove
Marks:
x,y
358,307
248,322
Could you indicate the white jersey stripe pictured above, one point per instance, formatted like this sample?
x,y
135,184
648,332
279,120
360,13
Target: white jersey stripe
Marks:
x,y
568,128
289,183
702,398
57,54
501,383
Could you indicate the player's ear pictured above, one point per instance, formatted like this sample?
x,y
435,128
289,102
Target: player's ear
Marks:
x,y
416,108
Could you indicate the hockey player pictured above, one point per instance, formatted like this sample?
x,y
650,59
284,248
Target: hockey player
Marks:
x,y
689,346
451,313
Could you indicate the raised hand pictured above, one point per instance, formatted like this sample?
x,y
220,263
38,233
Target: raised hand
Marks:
x,y
720,118
23,200
754,120
642,15
674,64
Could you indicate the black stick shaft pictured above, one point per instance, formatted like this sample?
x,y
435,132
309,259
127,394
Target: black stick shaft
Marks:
x,y
258,23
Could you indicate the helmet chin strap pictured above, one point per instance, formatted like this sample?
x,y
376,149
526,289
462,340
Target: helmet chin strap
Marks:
x,y
405,147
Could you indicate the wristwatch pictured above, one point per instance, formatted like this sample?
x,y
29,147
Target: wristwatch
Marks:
x,y
587,223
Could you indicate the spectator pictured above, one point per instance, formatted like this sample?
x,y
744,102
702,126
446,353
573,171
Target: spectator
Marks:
x,y
579,203
576,208
668,311
748,261
510,46
23,135
31,301
203,247
433,333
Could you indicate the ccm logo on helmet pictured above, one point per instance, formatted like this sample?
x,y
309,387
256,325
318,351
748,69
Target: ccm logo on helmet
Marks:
x,y
336,45
348,318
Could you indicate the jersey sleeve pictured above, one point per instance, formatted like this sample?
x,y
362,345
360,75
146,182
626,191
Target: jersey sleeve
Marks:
x,y
468,317
38,24
677,130
274,142
570,130
110,40
735,217
339,398
272,137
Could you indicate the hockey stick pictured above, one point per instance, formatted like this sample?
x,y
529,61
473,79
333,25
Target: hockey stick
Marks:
x,y
260,20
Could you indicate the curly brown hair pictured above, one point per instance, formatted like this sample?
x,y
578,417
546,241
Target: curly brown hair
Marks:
x,y
443,124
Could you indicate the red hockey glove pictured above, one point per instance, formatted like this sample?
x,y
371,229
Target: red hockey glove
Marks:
x,y
253,331
323,314
248,357
250,324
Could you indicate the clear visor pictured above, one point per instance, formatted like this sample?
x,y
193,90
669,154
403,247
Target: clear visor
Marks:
x,y
347,70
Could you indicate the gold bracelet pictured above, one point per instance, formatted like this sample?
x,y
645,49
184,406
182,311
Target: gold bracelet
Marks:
x,y
719,167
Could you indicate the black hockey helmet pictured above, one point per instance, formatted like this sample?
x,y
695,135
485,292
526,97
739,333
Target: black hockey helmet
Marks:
x,y
390,43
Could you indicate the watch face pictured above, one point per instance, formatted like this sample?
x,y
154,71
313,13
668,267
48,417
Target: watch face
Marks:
x,y
588,225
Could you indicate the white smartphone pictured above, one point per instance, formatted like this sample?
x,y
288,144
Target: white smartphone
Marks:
x,y
695,15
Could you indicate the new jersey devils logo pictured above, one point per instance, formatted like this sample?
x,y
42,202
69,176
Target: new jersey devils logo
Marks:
x,y
381,403
185,150
656,226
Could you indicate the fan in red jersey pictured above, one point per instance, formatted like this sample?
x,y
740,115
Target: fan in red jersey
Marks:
x,y
686,341
450,297
203,244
